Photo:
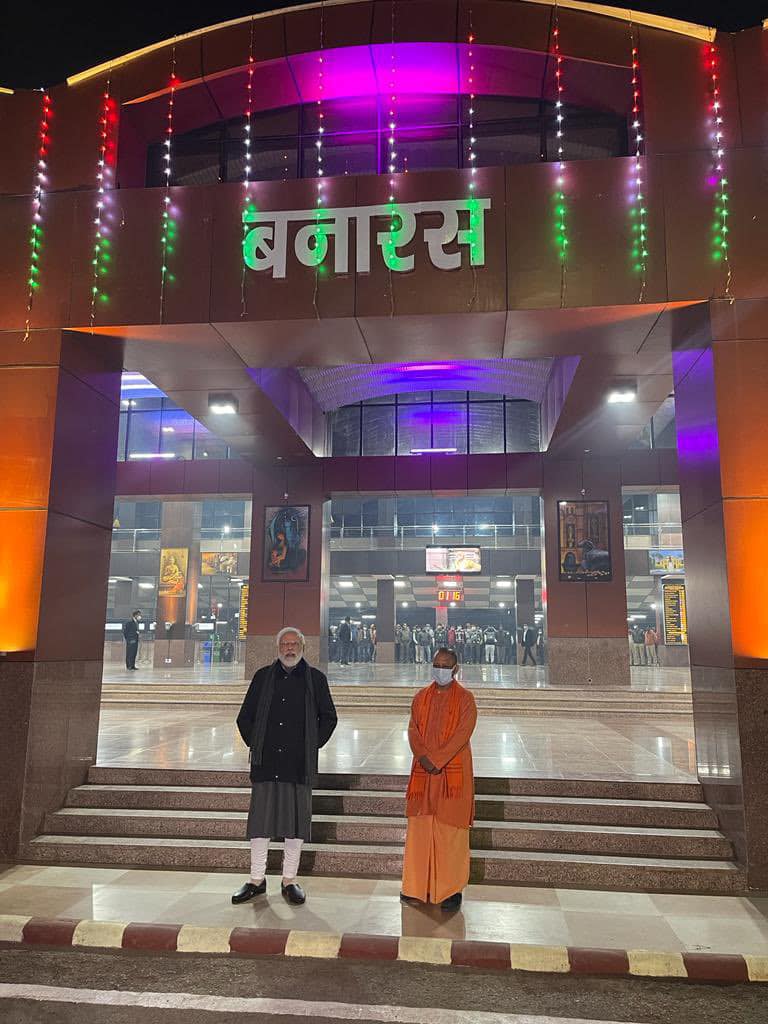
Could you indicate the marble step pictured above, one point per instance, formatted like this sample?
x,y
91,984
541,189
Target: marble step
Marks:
x,y
586,788
701,844
558,870
381,803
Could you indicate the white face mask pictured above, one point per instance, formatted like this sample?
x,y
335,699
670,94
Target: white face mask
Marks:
x,y
443,676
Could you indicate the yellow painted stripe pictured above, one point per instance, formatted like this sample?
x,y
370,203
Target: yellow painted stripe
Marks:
x,y
646,964
12,927
102,934
194,938
548,959
6,92
684,28
322,945
757,967
424,951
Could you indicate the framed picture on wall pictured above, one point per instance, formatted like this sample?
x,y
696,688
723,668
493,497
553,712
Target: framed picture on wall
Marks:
x,y
286,543
584,543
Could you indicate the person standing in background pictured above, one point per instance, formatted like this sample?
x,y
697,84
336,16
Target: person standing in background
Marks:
x,y
131,634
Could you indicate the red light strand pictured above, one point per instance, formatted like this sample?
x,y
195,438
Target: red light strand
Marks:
x,y
561,225
168,223
103,176
38,198
720,229
639,210
248,165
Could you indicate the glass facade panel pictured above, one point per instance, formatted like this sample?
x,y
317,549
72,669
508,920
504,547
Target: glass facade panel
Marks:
x,y
486,427
449,426
143,433
176,433
378,430
413,428
208,446
345,431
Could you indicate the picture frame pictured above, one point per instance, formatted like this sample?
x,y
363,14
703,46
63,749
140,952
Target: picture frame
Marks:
x,y
285,546
584,541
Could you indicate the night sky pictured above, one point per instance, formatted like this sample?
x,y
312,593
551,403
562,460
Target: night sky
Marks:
x,y
41,44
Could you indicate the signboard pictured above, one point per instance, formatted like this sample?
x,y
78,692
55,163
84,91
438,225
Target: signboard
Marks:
x,y
214,562
675,613
663,561
173,572
266,232
584,541
450,590
446,560
243,620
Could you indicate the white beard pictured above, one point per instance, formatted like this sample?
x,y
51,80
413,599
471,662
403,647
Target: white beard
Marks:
x,y
289,661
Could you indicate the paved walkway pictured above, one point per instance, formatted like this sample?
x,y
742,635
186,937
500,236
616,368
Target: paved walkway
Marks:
x,y
549,917
637,746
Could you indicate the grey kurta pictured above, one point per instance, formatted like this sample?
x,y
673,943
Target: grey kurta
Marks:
x,y
280,810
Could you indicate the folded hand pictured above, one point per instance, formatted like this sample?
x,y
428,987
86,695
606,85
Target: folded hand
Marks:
x,y
427,765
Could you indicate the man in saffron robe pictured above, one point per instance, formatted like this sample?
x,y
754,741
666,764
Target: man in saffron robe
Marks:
x,y
440,801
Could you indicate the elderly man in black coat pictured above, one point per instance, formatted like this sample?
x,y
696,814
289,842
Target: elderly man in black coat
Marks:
x,y
287,715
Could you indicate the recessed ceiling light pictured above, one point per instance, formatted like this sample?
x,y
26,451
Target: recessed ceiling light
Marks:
x,y
345,583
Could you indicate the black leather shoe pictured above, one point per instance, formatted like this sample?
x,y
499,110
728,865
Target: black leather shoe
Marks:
x,y
452,903
248,891
293,893
408,899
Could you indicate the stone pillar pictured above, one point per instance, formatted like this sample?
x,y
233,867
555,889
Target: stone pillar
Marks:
x,y
59,409
174,645
272,602
722,422
385,622
586,622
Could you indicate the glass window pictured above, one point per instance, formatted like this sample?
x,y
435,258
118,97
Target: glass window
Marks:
x,y
207,445
413,428
143,433
176,431
425,149
449,426
379,430
271,160
121,437
345,431
342,154
486,427
523,432
414,396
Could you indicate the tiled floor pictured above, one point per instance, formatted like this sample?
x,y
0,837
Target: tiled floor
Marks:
x,y
495,913
620,747
491,676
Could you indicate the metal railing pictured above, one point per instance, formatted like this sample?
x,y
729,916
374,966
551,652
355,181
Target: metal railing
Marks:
x,y
132,541
401,537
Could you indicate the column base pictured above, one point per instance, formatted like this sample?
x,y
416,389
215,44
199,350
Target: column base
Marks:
x,y
599,662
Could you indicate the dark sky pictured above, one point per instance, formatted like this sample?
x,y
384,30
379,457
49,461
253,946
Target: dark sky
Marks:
x,y
41,44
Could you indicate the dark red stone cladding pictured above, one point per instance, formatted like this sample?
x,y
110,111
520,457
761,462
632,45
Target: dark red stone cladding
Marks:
x,y
598,961
258,942
41,931
481,954
715,967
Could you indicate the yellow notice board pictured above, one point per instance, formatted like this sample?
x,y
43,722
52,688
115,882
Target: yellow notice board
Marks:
x,y
243,627
675,614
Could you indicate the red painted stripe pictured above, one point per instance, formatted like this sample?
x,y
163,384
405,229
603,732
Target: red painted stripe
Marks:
x,y
721,967
467,953
369,947
160,937
598,961
258,941
43,931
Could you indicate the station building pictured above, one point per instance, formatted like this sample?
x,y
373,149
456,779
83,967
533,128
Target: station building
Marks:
x,y
445,313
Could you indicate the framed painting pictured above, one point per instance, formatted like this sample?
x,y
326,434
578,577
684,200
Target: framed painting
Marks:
x,y
584,544
286,543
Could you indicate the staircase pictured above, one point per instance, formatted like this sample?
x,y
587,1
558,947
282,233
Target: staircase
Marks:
x,y
653,837
370,697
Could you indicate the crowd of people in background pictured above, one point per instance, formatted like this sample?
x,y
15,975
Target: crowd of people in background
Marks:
x,y
643,645
351,642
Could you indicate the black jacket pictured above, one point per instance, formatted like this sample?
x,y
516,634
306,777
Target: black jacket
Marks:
x,y
283,757
131,630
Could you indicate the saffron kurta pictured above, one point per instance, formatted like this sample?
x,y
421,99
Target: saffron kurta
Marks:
x,y
436,860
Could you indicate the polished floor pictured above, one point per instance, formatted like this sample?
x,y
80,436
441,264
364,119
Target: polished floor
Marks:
x,y
626,747
495,913
644,678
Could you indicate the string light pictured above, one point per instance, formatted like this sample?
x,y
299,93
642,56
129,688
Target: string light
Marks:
x,y
169,225
389,250
720,230
38,198
561,224
104,167
639,210
247,205
321,240
474,213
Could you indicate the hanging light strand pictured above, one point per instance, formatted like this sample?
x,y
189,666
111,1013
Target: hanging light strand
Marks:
x,y
38,200
321,243
169,226
103,182
472,157
720,227
639,209
390,251
248,167
561,222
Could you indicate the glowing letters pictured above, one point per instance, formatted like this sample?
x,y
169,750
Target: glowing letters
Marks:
x,y
265,243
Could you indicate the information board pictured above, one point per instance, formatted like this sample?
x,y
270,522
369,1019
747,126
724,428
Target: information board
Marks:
x,y
675,613
243,621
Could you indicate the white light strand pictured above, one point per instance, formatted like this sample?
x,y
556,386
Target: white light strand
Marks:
x,y
102,171
248,166
38,196
640,240
168,229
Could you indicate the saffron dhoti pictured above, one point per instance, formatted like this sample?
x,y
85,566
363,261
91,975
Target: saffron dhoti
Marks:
x,y
436,860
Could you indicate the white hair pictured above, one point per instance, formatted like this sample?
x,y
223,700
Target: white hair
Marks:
x,y
290,629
